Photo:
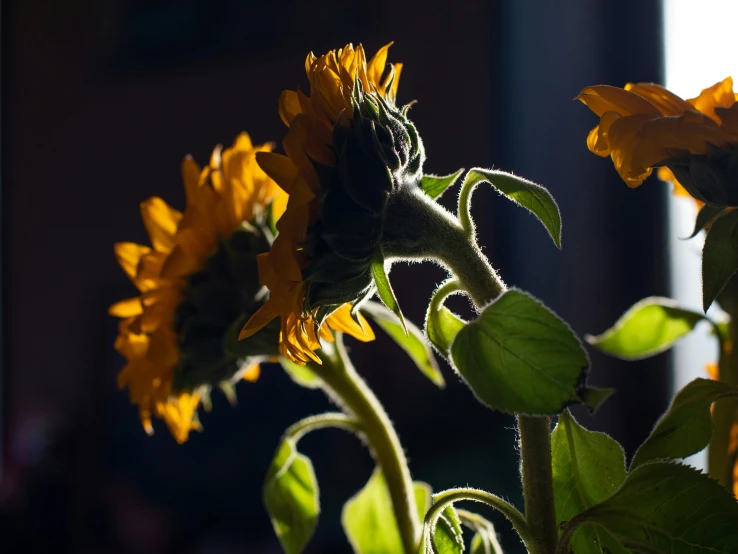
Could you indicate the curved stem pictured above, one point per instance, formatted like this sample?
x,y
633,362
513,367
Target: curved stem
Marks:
x,y
444,499
479,525
349,390
337,420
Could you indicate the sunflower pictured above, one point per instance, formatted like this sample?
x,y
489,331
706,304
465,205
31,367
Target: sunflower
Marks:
x,y
195,280
643,126
348,150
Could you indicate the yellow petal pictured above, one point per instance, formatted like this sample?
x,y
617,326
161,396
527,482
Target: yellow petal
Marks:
x,y
129,254
376,66
126,308
289,106
161,222
252,373
604,98
719,95
280,168
667,102
190,178
341,321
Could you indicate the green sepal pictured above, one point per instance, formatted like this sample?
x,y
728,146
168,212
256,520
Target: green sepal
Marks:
x,y
369,521
300,374
441,324
534,198
413,343
384,289
649,327
719,256
707,214
519,357
588,467
666,507
291,497
686,427
434,185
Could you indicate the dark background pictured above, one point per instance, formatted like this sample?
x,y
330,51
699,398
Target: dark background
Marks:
x,y
101,100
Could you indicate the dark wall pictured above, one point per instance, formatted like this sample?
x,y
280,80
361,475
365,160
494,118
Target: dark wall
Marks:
x,y
101,100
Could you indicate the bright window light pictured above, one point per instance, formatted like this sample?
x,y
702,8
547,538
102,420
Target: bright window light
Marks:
x,y
699,49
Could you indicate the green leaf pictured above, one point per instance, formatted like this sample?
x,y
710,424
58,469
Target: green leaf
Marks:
x,y
519,357
588,467
300,374
369,521
719,256
534,198
706,216
594,397
434,186
449,536
485,542
664,507
686,427
384,289
649,327
442,326
291,497
413,342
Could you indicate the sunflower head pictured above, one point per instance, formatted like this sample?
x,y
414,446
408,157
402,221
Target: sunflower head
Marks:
x,y
350,152
198,284
644,126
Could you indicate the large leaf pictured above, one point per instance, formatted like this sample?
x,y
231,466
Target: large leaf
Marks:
x,y
649,327
519,357
291,497
384,288
527,194
665,507
719,256
413,342
588,467
686,427
369,521
434,186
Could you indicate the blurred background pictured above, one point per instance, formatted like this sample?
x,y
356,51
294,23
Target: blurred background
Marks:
x,y
100,102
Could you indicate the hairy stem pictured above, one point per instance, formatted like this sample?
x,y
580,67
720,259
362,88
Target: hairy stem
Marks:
x,y
535,470
350,390
336,420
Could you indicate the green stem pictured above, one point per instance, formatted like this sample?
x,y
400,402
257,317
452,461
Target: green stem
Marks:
x,y
337,420
535,470
719,461
349,390
446,498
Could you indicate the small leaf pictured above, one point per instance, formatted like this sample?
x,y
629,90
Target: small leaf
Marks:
x,y
300,374
449,536
686,427
534,198
413,342
593,397
649,327
434,186
442,326
588,467
384,289
519,357
665,507
485,542
291,497
705,217
369,521
719,256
